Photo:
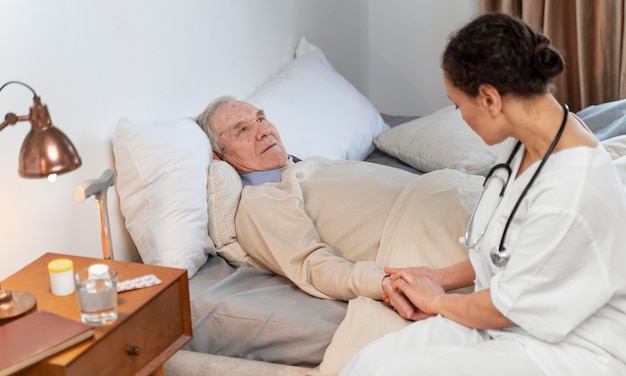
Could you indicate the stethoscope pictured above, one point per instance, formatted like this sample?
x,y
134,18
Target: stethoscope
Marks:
x,y
500,256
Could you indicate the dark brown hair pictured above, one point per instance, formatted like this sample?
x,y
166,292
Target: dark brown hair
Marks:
x,y
504,52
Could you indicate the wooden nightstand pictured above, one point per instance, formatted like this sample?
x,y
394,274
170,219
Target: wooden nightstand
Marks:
x,y
153,322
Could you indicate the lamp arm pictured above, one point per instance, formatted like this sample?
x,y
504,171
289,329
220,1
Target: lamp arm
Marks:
x,y
11,118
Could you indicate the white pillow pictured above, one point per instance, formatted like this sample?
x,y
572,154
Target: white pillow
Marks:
x,y
437,141
317,111
223,192
161,182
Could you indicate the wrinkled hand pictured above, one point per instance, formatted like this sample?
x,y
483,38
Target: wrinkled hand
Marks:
x,y
397,301
395,297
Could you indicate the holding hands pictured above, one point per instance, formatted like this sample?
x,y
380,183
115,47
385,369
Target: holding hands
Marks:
x,y
412,291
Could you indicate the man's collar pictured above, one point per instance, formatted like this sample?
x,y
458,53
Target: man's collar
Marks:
x,y
260,177
255,178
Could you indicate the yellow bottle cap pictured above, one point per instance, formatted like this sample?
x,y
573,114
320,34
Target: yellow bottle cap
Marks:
x,y
60,265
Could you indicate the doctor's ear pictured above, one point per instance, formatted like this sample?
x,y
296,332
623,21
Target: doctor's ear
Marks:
x,y
490,97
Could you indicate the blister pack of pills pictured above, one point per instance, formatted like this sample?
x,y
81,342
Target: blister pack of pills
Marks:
x,y
138,283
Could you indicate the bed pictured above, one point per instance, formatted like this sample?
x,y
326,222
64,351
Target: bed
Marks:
x,y
179,209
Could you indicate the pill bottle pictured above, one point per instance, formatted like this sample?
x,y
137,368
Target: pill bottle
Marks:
x,y
61,276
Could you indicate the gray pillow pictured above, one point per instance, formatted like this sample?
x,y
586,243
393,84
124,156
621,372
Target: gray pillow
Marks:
x,y
437,141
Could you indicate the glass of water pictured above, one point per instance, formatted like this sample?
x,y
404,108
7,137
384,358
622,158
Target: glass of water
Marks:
x,y
96,288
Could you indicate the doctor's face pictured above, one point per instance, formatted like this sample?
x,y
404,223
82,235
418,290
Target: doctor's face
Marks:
x,y
249,141
474,113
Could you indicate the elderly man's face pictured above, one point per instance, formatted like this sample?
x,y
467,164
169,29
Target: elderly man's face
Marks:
x,y
249,141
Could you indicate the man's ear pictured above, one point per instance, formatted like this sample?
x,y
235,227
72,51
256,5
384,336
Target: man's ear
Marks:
x,y
217,156
490,98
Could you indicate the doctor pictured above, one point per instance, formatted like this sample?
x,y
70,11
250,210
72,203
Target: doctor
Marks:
x,y
546,239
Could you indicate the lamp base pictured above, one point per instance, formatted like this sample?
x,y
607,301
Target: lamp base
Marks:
x,y
14,303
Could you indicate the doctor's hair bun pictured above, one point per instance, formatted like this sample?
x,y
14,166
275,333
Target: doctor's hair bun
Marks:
x,y
548,61
502,51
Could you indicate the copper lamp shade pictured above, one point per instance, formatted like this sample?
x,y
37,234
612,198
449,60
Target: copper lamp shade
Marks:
x,y
46,150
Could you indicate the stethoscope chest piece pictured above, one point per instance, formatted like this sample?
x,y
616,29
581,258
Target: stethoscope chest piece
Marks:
x,y
500,257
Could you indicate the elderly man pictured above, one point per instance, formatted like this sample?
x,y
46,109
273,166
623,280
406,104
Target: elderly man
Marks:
x,y
328,226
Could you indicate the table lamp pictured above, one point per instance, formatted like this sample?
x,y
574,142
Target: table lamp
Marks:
x,y
45,152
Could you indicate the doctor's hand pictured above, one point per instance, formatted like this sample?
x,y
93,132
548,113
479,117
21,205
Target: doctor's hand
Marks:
x,y
419,271
419,291
451,277
399,302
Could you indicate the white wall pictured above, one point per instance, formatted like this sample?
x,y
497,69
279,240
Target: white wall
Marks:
x,y
95,61
407,40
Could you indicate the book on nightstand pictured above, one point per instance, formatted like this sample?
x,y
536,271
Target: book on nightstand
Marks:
x,y
38,335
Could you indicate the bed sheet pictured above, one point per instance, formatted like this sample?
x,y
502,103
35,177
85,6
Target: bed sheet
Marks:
x,y
252,313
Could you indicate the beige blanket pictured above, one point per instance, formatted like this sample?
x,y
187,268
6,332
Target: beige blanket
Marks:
x,y
429,216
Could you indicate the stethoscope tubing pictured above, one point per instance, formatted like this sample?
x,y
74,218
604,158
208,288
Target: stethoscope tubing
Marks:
x,y
500,254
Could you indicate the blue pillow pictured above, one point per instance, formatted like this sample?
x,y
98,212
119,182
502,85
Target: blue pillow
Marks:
x,y
605,120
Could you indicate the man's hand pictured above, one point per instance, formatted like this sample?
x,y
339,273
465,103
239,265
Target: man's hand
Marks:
x,y
398,301
420,292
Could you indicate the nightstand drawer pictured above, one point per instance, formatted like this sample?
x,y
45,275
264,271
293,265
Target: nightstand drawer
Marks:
x,y
138,341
